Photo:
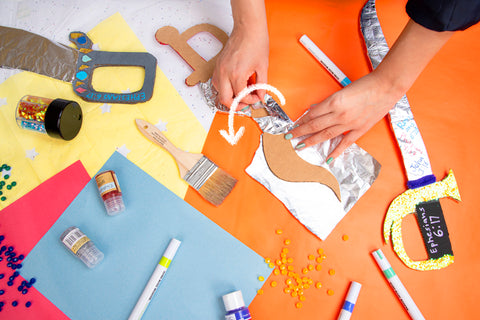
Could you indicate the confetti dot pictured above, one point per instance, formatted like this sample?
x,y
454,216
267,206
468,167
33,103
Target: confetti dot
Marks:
x,y
305,270
15,303
28,304
302,298
276,272
311,257
298,305
273,284
268,260
271,265
287,241
331,272
330,292
318,267
310,267
345,237
279,231
318,285
260,278
259,291
287,290
320,251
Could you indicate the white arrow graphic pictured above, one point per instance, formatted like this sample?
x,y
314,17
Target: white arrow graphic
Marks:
x,y
231,136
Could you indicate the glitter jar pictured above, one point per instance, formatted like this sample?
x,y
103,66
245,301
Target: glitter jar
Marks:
x,y
81,246
110,192
56,117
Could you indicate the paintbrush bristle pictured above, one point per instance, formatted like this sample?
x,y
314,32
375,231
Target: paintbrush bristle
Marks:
x,y
213,183
217,187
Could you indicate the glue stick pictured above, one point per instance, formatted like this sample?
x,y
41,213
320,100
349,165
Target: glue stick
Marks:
x,y
110,192
235,306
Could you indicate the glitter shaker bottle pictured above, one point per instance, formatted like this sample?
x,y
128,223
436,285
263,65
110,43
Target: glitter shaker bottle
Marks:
x,y
81,246
110,192
56,117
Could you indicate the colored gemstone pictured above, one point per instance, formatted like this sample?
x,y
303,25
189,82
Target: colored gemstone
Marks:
x,y
79,83
83,67
82,75
80,90
86,58
82,40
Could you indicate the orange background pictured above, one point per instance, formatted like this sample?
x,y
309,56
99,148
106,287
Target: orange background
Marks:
x,y
445,101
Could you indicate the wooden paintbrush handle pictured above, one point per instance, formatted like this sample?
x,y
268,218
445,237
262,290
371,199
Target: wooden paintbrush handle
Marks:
x,y
185,160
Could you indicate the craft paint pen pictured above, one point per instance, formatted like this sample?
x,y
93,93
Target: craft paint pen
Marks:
x,y
110,192
81,246
235,306
56,117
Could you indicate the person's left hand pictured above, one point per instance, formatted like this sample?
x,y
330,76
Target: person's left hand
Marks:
x,y
350,112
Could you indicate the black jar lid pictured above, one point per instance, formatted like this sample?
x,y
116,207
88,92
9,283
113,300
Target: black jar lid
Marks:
x,y
63,119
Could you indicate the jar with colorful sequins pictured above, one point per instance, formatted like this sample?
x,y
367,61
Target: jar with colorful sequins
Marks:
x,y
58,118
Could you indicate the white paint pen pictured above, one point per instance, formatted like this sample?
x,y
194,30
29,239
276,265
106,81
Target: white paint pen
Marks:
x,y
350,301
397,285
155,280
324,60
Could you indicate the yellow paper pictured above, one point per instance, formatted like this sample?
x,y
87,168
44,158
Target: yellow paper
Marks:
x,y
102,132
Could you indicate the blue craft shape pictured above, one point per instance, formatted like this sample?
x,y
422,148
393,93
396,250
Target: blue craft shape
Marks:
x,y
86,58
82,75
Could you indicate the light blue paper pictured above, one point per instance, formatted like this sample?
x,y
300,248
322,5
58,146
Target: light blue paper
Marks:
x,y
209,263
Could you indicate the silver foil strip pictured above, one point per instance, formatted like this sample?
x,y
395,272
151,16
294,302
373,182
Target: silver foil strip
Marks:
x,y
27,51
412,147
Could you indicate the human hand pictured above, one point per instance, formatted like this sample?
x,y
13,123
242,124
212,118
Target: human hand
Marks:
x,y
349,113
245,55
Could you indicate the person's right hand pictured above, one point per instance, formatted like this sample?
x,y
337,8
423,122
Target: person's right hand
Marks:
x,y
244,55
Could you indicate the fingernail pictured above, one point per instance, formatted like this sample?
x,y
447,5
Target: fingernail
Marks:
x,y
300,146
288,136
258,105
329,160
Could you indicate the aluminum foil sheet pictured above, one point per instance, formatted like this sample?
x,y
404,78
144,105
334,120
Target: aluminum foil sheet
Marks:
x,y
27,51
313,204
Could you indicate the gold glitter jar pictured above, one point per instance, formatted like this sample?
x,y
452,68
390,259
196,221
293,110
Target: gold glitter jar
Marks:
x,y
56,117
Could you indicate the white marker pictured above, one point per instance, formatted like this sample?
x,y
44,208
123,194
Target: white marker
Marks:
x,y
350,301
397,286
324,60
155,280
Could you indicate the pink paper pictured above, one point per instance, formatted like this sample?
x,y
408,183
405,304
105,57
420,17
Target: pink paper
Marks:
x,y
23,224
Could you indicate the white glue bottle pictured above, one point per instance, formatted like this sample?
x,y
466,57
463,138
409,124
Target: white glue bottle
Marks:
x,y
235,306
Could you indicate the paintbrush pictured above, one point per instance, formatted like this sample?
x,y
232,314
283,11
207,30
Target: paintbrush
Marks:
x,y
213,183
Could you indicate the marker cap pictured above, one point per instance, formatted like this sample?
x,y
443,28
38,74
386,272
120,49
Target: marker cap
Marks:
x,y
172,249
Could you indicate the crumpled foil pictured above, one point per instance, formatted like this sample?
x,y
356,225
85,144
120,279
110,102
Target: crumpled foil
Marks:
x,y
23,50
313,204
